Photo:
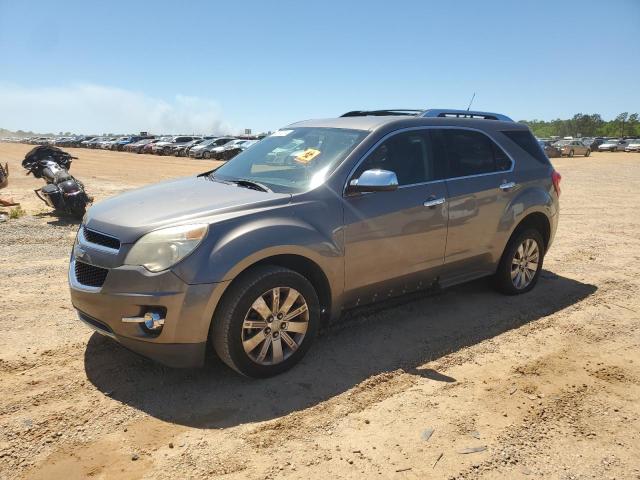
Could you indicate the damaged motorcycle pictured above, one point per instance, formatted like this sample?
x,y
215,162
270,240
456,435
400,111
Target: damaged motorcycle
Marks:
x,y
62,191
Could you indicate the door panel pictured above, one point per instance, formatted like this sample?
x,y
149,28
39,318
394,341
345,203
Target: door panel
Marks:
x,y
391,235
480,185
476,206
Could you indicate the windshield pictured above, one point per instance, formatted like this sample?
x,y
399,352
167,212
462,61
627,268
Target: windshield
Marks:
x,y
292,160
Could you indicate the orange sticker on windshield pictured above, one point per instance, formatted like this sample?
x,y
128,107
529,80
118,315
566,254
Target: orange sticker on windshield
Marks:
x,y
308,155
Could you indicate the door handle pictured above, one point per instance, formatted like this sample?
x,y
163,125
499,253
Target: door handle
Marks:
x,y
434,202
506,186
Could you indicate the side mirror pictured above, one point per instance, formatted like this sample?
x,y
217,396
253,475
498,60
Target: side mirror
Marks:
x,y
374,180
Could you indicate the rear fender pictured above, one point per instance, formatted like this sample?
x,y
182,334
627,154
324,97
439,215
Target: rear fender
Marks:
x,y
527,201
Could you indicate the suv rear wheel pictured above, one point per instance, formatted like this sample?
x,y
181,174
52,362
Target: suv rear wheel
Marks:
x,y
521,263
266,321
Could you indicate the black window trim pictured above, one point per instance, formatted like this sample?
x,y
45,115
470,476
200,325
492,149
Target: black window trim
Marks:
x,y
429,127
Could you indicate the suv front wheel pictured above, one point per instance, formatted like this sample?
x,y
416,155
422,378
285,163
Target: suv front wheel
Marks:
x,y
266,322
521,263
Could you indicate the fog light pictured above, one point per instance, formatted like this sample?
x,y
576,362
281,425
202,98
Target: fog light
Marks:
x,y
153,321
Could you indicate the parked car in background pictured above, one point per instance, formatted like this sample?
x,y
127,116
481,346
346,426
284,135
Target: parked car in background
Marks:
x,y
196,150
107,143
119,143
124,141
62,141
596,142
148,148
182,150
205,149
164,148
92,142
177,142
160,145
79,141
633,145
574,147
613,145
136,147
234,147
550,150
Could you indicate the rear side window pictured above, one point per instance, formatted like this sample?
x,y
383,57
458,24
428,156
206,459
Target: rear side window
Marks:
x,y
472,153
525,140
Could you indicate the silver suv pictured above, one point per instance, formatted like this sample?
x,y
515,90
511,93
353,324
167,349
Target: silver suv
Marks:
x,y
319,217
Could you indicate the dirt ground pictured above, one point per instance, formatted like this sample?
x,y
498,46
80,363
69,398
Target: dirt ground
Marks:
x,y
545,385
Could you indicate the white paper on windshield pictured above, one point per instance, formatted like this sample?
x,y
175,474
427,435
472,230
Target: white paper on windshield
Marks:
x,y
281,133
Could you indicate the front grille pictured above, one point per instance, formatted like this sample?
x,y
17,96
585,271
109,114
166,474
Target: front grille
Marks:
x,y
98,238
90,275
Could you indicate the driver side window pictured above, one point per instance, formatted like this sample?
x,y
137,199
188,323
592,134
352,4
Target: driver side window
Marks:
x,y
407,154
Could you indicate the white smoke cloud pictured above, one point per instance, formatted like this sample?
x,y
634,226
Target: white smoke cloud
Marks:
x,y
87,108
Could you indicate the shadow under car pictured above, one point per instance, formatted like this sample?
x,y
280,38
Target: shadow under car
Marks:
x,y
404,335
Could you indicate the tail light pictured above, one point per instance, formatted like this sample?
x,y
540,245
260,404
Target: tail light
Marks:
x,y
555,178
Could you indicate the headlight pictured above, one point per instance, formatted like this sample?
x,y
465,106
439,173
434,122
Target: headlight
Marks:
x,y
161,249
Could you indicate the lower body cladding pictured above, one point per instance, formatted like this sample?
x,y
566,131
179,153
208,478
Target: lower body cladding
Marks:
x,y
156,315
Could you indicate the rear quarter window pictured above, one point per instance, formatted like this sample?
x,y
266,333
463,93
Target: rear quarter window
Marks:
x,y
525,140
472,153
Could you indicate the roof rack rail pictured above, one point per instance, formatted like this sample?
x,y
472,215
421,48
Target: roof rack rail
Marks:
x,y
439,112
382,113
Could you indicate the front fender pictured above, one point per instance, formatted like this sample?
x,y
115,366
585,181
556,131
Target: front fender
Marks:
x,y
236,246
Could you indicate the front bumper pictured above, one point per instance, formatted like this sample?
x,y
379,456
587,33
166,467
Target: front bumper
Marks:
x,y
132,291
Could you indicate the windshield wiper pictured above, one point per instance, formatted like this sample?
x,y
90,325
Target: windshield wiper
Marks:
x,y
243,182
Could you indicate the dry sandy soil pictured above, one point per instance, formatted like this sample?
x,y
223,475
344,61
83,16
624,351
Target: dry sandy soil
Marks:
x,y
545,385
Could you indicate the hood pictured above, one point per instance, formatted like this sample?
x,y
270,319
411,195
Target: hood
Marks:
x,y
188,200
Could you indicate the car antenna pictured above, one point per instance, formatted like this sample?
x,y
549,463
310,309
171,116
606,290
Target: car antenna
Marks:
x,y
471,101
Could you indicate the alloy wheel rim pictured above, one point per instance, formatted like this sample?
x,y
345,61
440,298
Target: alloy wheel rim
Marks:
x,y
275,326
525,263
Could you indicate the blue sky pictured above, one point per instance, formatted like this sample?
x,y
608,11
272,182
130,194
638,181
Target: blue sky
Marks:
x,y
191,66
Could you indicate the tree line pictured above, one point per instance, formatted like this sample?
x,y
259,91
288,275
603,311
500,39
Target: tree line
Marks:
x,y
585,125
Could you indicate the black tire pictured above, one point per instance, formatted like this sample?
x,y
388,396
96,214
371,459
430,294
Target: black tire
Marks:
x,y
571,153
503,277
226,328
614,149
588,152
206,155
